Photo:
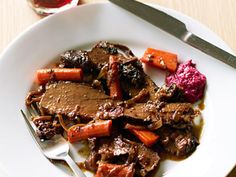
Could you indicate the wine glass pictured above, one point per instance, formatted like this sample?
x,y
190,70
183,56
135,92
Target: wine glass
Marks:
x,y
47,7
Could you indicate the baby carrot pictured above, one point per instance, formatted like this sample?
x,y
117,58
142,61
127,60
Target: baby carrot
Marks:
x,y
64,74
146,136
114,83
160,59
96,129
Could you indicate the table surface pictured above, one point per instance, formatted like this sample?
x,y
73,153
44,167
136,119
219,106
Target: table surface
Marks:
x,y
218,15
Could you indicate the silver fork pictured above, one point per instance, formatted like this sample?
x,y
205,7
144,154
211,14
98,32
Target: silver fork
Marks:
x,y
56,148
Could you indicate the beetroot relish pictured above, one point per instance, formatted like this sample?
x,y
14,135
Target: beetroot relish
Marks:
x,y
51,3
190,80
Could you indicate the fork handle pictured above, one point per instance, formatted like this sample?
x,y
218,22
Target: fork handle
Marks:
x,y
77,171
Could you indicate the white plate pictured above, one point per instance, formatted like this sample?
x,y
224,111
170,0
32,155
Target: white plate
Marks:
x,y
82,27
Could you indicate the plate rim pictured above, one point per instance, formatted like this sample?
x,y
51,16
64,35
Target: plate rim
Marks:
x,y
168,10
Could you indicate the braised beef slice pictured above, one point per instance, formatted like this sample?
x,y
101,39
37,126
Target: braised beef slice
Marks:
x,y
177,142
151,87
106,149
125,50
141,111
147,159
178,115
170,94
141,97
99,55
123,151
116,147
73,99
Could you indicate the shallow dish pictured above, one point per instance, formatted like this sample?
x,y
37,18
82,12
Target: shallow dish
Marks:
x,y
80,28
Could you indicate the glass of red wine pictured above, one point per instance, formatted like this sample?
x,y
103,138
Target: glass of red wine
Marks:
x,y
47,7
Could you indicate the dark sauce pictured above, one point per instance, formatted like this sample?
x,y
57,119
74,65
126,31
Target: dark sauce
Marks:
x,y
167,156
201,105
82,166
197,128
84,151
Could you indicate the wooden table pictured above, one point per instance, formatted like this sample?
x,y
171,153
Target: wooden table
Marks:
x,y
218,15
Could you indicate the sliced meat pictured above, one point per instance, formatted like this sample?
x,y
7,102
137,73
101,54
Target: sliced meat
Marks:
x,y
138,112
125,50
147,159
73,99
170,93
151,87
114,148
178,115
178,142
128,90
146,112
141,97
147,84
100,54
123,151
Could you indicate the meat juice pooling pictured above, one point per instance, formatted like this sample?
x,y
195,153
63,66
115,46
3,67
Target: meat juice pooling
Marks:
x,y
47,7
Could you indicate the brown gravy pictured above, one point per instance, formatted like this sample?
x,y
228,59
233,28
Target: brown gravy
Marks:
x,y
84,151
201,105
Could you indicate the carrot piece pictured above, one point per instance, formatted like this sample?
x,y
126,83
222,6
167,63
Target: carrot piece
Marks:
x,y
111,170
146,136
114,83
65,74
97,129
160,59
